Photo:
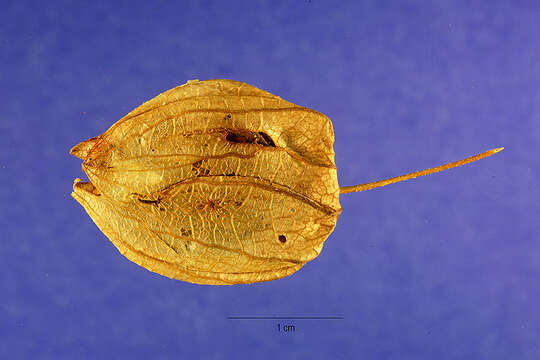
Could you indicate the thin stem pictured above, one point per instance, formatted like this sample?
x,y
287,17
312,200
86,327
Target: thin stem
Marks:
x,y
372,185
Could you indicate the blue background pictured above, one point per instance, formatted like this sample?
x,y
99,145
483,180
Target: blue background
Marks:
x,y
442,267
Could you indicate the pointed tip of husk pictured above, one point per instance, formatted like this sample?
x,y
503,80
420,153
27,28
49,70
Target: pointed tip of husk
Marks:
x,y
82,149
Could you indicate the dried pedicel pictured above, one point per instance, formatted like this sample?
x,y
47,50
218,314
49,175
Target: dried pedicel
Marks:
x,y
217,182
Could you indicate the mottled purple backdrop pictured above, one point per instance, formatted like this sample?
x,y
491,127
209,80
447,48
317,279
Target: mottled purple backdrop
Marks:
x,y
443,267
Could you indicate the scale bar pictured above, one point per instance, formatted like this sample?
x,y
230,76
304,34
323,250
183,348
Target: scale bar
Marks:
x,y
285,317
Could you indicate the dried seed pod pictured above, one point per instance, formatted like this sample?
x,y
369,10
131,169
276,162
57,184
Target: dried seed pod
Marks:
x,y
217,182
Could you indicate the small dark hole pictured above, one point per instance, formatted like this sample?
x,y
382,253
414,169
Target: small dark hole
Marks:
x,y
149,201
242,136
185,232
282,238
266,139
197,168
